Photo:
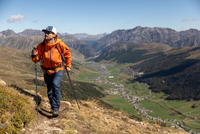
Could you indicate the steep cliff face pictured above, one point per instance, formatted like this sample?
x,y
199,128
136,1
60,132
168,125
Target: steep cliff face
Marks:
x,y
142,35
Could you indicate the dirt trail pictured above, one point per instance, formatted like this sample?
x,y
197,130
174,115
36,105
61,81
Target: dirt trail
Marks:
x,y
44,122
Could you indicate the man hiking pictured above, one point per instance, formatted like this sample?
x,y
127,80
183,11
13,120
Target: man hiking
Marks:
x,y
49,51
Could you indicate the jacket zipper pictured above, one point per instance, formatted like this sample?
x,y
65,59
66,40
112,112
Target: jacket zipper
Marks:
x,y
50,58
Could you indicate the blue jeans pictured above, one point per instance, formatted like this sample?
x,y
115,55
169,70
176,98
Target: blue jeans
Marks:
x,y
53,86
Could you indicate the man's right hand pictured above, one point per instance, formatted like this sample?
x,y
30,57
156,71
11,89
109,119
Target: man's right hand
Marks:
x,y
34,52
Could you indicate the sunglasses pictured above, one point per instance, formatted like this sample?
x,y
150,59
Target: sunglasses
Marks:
x,y
48,32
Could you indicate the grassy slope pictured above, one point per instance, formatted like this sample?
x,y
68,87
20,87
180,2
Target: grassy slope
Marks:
x,y
131,53
16,110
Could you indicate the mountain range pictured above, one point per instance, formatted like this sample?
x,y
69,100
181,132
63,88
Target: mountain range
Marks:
x,y
28,39
87,38
146,35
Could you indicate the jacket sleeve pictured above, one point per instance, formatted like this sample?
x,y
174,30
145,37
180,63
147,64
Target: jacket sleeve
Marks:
x,y
38,57
67,54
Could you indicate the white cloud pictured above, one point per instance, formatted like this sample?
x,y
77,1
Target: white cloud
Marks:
x,y
188,19
15,18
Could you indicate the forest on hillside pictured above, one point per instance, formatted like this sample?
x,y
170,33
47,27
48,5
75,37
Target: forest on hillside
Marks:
x,y
174,74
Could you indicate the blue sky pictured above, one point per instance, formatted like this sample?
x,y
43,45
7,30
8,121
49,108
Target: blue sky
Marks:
x,y
98,16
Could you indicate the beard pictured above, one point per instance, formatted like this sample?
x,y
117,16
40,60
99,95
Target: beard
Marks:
x,y
48,39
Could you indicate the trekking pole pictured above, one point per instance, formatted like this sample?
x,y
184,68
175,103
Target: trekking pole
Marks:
x,y
72,86
64,63
36,80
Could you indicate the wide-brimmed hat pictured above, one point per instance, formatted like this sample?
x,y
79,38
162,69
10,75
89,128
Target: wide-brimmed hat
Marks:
x,y
50,29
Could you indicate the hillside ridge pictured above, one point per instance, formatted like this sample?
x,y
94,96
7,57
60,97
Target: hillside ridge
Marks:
x,y
91,118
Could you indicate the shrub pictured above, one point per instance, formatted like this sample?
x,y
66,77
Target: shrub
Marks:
x,y
16,111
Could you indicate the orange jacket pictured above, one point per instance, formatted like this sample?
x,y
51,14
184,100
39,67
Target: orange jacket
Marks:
x,y
52,57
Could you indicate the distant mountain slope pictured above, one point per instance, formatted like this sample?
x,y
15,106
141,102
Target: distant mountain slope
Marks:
x,y
31,32
8,33
142,35
89,39
71,41
85,36
30,38
26,43
131,53
174,72
190,42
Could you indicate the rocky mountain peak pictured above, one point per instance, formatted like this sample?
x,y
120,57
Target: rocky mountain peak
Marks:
x,y
8,33
31,32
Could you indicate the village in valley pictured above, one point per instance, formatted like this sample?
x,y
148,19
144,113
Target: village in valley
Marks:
x,y
126,93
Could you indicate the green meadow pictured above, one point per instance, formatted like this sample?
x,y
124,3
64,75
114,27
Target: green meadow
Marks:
x,y
113,72
120,103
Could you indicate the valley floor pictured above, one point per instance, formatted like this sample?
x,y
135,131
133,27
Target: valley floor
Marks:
x,y
141,98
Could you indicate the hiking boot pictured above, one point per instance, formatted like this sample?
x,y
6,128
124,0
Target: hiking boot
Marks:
x,y
55,112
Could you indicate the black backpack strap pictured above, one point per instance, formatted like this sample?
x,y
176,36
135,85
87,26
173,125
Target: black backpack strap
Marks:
x,y
42,48
60,51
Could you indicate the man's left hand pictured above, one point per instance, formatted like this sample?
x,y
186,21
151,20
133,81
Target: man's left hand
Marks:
x,y
68,69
